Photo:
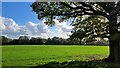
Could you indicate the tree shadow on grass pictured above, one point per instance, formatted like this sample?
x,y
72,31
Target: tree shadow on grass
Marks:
x,y
72,64
78,64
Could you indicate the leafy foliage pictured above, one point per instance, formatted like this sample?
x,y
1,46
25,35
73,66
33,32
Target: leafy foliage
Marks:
x,y
73,9
91,27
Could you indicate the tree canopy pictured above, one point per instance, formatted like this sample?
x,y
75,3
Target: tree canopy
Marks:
x,y
73,10
66,10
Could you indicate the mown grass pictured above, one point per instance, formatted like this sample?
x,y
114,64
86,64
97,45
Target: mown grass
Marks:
x,y
33,55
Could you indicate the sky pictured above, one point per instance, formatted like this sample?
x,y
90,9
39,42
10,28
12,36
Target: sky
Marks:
x,y
18,19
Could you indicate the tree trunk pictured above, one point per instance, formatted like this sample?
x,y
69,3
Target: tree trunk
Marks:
x,y
114,55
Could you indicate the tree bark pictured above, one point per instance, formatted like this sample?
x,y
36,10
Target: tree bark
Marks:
x,y
114,46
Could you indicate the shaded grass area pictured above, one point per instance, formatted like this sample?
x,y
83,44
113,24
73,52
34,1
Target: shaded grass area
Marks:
x,y
25,55
72,64
79,64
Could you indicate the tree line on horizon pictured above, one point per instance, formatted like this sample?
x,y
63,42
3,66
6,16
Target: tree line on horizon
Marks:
x,y
25,40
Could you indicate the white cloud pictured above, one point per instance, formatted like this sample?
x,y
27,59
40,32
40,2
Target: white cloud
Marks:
x,y
62,29
11,29
31,28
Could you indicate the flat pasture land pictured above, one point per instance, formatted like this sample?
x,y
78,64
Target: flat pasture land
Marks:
x,y
32,55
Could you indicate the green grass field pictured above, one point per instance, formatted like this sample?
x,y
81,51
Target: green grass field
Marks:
x,y
32,55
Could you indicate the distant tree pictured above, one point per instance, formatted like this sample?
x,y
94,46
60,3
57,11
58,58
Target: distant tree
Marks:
x,y
33,41
78,35
14,42
5,40
56,40
49,41
23,40
40,41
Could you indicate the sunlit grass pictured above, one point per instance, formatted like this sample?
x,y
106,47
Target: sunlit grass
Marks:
x,y
27,55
